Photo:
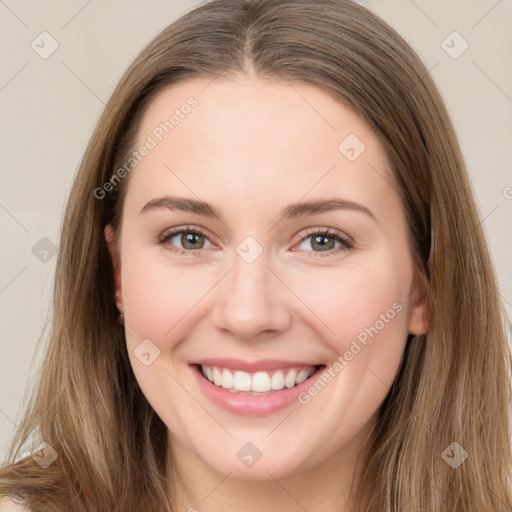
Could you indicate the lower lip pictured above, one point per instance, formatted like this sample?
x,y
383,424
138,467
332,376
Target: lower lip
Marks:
x,y
251,405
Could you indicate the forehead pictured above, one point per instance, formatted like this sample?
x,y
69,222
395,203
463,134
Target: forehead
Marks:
x,y
227,112
251,139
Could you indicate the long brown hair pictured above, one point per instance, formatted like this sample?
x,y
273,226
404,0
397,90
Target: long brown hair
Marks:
x,y
454,382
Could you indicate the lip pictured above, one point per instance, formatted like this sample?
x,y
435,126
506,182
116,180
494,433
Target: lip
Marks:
x,y
251,405
261,365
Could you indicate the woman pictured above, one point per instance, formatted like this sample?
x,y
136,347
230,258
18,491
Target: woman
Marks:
x,y
273,290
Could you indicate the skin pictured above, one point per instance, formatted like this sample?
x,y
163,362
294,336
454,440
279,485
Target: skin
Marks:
x,y
251,147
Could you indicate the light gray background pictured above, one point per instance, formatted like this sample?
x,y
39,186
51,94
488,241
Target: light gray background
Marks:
x,y
49,108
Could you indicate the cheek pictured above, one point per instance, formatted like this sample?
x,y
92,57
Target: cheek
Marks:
x,y
160,297
159,300
365,309
348,299
362,311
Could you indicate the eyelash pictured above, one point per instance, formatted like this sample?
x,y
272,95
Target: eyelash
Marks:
x,y
346,242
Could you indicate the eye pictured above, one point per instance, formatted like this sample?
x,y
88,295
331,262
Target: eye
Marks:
x,y
320,238
191,238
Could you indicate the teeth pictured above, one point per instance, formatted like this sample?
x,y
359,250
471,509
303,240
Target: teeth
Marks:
x,y
277,381
227,379
217,378
302,376
259,382
289,380
241,382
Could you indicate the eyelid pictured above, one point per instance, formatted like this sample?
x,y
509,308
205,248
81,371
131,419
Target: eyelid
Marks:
x,y
188,228
327,231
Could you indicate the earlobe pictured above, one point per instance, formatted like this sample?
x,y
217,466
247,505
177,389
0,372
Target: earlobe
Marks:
x,y
111,243
419,316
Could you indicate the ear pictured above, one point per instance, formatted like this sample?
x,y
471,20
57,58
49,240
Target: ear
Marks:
x,y
114,254
419,315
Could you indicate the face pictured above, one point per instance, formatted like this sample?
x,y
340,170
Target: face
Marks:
x,y
257,295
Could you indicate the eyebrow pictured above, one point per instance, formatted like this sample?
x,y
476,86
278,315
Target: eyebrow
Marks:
x,y
294,210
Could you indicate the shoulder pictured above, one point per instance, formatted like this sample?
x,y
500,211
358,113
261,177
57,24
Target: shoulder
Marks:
x,y
6,505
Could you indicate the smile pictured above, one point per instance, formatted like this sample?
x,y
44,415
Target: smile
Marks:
x,y
260,382
253,389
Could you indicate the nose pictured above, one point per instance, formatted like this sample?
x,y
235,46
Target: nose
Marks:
x,y
252,301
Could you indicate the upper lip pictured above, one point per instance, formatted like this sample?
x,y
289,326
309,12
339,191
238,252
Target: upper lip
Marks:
x,y
253,366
